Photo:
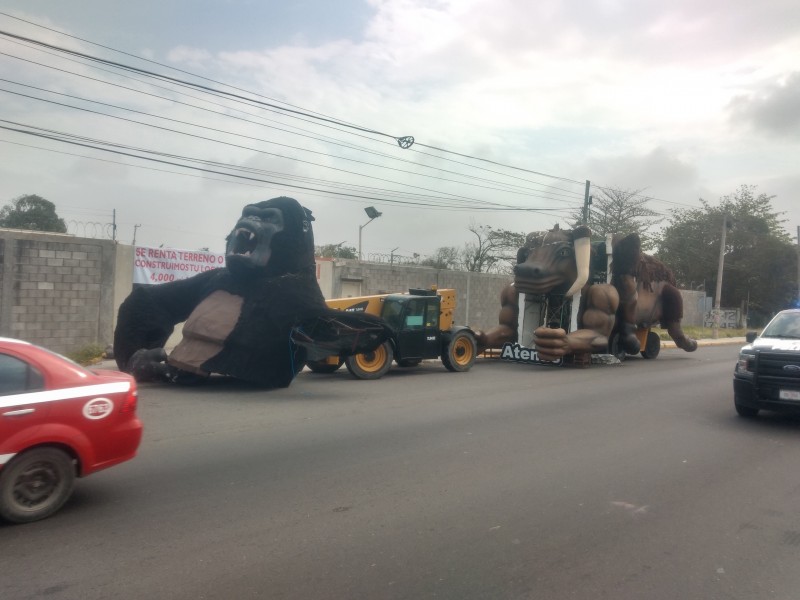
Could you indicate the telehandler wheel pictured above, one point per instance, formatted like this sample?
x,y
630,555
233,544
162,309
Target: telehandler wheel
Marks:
x,y
322,366
371,365
653,345
460,352
409,362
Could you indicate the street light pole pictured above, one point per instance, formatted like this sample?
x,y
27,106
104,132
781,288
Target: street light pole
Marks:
x,y
372,214
716,316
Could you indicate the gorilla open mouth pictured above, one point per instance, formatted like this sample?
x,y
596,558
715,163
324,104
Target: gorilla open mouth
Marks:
x,y
247,247
243,242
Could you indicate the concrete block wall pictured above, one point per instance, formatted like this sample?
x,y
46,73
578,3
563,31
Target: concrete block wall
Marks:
x,y
57,289
63,292
478,294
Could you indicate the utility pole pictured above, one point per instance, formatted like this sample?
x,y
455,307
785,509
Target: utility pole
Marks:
x,y
716,316
587,200
114,225
798,265
135,227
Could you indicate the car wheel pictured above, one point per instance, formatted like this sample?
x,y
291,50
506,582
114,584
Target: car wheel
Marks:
x,y
371,365
35,484
747,412
460,352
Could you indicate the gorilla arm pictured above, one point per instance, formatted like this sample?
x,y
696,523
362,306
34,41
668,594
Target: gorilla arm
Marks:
x,y
506,330
149,314
595,323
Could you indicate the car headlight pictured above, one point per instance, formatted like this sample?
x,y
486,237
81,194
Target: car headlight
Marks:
x,y
744,366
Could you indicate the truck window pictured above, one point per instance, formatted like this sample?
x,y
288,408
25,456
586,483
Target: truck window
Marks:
x,y
415,314
432,315
393,314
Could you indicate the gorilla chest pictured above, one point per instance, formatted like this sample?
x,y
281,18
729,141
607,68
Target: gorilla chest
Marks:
x,y
206,329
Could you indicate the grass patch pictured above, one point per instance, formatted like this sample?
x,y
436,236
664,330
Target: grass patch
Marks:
x,y
90,354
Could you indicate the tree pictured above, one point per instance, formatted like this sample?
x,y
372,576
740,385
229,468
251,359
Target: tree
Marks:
x,y
446,257
335,251
760,261
617,211
32,212
494,250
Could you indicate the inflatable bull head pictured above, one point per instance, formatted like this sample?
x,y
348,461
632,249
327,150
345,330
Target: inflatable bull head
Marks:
x,y
555,261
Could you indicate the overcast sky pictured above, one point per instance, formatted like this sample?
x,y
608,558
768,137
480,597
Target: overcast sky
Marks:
x,y
513,105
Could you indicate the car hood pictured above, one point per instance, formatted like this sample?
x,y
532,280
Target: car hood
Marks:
x,y
775,344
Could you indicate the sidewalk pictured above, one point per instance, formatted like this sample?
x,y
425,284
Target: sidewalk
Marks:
x,y
732,341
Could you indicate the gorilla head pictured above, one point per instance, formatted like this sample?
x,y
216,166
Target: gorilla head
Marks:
x,y
273,237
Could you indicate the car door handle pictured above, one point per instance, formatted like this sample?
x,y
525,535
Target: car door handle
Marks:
x,y
20,412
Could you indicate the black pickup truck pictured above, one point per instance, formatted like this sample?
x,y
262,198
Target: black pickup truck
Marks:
x,y
767,374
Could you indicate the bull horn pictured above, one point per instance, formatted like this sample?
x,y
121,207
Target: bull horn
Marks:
x,y
583,249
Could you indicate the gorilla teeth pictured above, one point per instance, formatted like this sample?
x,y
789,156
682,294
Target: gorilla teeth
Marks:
x,y
244,242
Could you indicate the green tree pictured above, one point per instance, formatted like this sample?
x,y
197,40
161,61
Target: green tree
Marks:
x,y
493,250
617,211
32,212
446,257
335,251
760,261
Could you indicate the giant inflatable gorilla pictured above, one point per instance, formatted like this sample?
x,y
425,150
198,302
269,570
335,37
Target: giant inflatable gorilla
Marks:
x,y
255,319
560,263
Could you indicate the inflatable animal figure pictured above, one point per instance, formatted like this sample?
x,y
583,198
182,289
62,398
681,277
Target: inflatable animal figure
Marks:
x,y
560,263
242,320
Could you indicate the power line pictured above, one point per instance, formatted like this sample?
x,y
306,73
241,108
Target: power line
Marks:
x,y
402,140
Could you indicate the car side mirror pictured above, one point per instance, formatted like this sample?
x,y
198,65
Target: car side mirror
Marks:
x,y
751,336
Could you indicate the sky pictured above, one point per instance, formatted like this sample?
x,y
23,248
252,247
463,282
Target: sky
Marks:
x,y
166,118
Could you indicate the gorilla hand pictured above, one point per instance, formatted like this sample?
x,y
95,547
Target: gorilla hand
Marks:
x,y
149,365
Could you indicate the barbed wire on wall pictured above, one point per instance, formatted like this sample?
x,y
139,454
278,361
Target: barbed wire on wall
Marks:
x,y
397,259
90,229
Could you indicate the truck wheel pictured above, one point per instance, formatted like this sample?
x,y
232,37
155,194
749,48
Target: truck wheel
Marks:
x,y
652,346
322,366
460,352
371,365
35,484
746,412
615,347
409,362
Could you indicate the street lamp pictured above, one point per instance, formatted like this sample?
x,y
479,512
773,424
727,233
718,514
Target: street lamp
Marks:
x,y
372,214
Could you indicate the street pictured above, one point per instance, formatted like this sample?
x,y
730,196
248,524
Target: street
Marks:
x,y
632,481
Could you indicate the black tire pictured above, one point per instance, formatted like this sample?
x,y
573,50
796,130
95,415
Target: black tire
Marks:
x,y
746,412
652,346
371,365
460,353
615,347
35,484
321,366
409,362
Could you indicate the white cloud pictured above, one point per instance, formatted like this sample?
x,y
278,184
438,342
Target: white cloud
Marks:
x,y
774,109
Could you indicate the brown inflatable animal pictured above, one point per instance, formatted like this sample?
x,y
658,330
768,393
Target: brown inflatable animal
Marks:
x,y
557,264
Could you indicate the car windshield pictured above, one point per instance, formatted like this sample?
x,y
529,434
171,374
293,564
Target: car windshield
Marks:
x,y
784,325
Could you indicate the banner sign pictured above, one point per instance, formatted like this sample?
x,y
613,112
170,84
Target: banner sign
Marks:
x,y
160,265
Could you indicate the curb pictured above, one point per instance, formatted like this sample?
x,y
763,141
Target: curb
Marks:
x,y
739,341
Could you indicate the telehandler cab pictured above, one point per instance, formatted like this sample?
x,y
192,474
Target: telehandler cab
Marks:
x,y
422,326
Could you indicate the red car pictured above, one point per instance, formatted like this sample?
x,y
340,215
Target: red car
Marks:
x,y
58,421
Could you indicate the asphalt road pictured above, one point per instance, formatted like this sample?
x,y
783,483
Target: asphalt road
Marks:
x,y
635,481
